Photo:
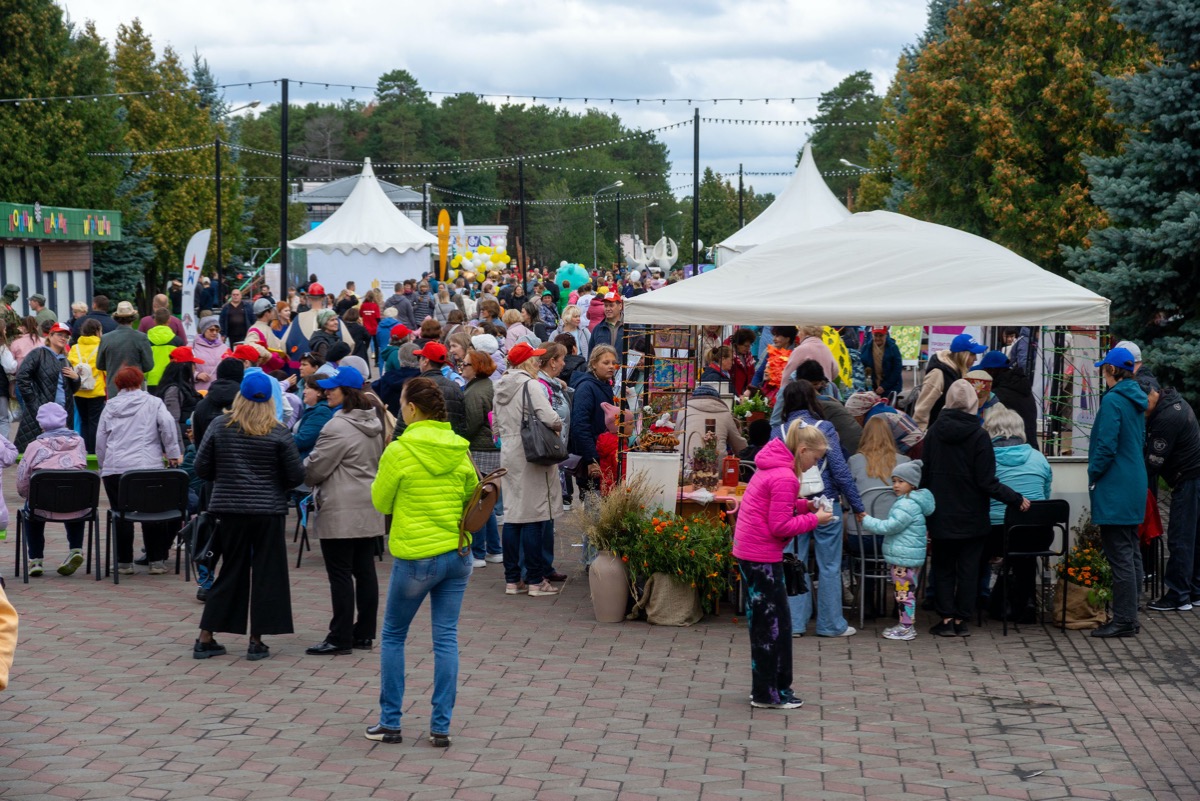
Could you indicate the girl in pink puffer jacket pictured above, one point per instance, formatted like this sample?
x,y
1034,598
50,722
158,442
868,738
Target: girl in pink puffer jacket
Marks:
x,y
772,513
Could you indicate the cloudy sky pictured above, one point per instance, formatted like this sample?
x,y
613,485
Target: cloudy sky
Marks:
x,y
620,48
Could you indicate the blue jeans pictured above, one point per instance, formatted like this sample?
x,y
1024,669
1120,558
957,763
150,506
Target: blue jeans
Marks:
x,y
523,543
444,579
487,539
548,545
1183,566
830,622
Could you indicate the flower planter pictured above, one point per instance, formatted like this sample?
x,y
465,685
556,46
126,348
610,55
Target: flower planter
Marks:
x,y
667,601
1080,613
609,585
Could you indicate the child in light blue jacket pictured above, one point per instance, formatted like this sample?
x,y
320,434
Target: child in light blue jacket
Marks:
x,y
904,542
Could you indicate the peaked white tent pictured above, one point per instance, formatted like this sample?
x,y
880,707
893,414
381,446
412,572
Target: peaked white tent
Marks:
x,y
368,240
805,204
874,267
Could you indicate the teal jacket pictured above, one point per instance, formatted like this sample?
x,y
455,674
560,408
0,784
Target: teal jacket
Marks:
x,y
904,530
1116,469
425,479
1021,468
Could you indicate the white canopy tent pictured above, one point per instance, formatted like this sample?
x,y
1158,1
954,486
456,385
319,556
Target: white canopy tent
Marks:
x,y
805,204
368,240
874,267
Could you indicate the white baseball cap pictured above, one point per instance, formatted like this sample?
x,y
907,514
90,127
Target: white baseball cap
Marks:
x,y
1132,348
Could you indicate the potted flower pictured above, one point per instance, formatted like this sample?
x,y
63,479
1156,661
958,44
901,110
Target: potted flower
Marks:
x,y
705,473
684,562
753,408
610,525
1085,577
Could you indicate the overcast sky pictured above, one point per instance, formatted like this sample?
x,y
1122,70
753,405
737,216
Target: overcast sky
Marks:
x,y
621,48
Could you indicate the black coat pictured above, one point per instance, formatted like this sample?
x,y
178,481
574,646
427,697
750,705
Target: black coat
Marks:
x,y
1172,440
456,404
960,471
587,414
219,398
1013,390
37,382
250,475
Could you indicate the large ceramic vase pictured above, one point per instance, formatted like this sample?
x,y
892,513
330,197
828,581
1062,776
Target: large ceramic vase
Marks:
x,y
609,585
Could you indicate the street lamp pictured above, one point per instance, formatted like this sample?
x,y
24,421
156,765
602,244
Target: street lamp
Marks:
x,y
646,220
251,104
672,216
596,220
855,166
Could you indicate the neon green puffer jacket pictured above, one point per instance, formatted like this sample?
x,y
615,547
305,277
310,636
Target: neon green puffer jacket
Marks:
x,y
425,478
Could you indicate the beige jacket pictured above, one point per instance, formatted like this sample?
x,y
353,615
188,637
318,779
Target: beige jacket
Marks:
x,y
932,388
691,426
532,492
340,470
8,637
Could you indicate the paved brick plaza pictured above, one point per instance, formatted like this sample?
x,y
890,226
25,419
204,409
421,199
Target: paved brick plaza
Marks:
x,y
107,702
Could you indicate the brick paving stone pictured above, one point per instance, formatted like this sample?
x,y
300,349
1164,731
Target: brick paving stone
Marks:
x,y
106,702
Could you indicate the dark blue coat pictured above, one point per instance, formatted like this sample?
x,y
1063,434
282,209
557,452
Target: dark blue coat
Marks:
x,y
1116,470
587,415
892,379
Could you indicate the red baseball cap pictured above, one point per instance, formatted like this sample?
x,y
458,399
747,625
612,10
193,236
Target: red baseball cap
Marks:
x,y
59,328
613,297
522,351
316,289
247,353
434,351
879,329
400,331
184,354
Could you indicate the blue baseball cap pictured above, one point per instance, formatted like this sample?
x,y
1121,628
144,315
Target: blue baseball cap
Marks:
x,y
344,377
1118,357
993,360
256,387
965,342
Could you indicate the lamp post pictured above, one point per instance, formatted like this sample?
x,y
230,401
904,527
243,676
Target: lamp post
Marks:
x,y
671,216
595,219
855,166
217,158
646,220
861,169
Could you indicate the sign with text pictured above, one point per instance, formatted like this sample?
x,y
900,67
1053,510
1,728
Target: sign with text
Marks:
x,y
21,221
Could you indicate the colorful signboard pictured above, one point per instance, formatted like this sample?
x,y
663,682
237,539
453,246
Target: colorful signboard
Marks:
x,y
51,223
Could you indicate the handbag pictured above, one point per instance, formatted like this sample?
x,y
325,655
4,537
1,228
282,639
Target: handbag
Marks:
x,y
542,444
201,533
87,379
794,572
811,482
479,506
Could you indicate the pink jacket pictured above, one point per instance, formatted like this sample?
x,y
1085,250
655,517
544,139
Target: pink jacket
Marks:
x,y
767,516
60,449
595,312
811,348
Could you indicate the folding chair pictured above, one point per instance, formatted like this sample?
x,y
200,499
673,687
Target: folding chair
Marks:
x,y
150,496
868,564
60,492
1053,515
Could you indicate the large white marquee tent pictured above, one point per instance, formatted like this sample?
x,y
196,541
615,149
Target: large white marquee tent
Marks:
x,y
368,240
806,203
874,267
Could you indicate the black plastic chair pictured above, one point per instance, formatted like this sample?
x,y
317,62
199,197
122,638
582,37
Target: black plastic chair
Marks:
x,y
61,492
150,496
1053,515
868,566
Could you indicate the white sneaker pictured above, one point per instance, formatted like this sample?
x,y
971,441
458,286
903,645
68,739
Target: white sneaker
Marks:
x,y
125,568
478,563
567,506
35,567
157,568
849,632
900,633
494,558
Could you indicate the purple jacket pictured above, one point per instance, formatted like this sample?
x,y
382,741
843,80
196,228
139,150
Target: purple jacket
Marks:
x,y
8,457
767,516
60,449
135,432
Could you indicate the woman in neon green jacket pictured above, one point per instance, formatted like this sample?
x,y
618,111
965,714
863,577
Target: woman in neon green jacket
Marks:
x,y
425,478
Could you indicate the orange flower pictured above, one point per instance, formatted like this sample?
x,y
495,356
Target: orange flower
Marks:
x,y
624,558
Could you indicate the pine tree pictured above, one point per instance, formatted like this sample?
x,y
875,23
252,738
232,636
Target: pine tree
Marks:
x,y
1146,259
118,266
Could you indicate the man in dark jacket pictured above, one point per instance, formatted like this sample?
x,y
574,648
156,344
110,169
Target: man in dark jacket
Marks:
x,y
1012,388
124,345
99,312
220,397
45,376
402,303
960,470
883,364
236,318
610,330
1173,453
434,357
848,429
1117,485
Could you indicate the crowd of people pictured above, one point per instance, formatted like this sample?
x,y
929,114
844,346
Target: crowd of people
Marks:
x,y
375,418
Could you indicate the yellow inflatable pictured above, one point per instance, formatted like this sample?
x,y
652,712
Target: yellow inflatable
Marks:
x,y
841,354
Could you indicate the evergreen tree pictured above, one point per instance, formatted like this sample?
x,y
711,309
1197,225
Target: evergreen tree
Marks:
x,y
1146,259
118,266
853,100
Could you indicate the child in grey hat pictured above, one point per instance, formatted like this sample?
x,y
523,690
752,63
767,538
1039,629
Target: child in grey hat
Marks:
x,y
904,542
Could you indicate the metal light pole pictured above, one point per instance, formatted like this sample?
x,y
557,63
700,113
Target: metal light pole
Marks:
x,y
646,220
283,181
618,230
595,221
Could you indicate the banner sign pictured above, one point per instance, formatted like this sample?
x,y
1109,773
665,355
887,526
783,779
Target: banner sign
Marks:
x,y
193,263
21,221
